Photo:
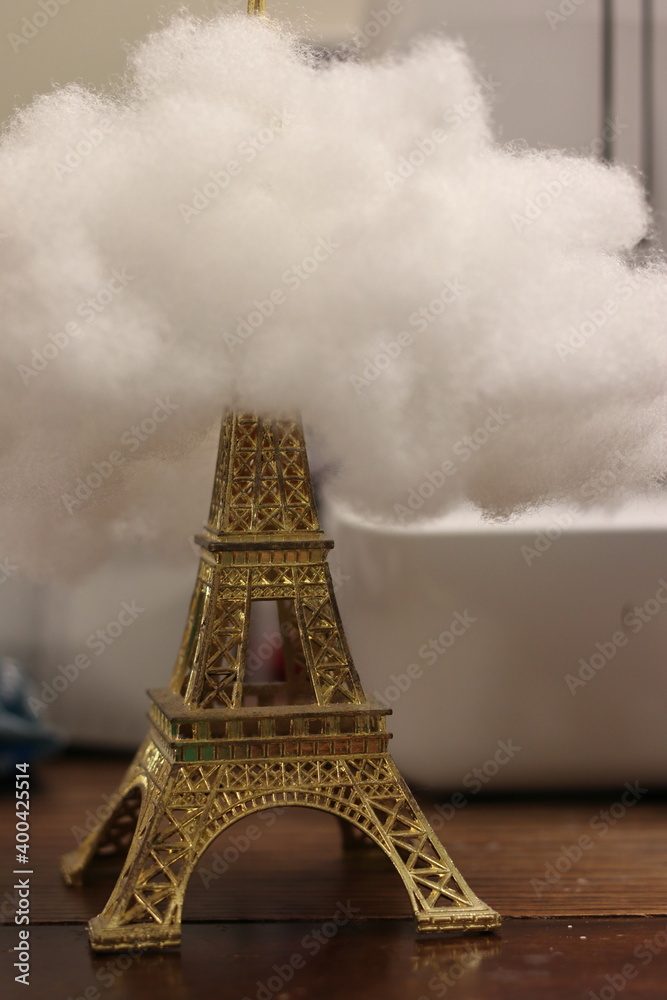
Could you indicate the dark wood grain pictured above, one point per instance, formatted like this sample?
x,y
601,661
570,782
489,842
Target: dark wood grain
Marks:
x,y
249,912
529,960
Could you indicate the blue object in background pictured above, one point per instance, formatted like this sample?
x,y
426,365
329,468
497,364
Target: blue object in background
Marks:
x,y
22,736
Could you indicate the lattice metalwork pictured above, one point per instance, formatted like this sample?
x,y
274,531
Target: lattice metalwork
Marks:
x,y
212,758
201,801
262,482
210,669
119,833
216,674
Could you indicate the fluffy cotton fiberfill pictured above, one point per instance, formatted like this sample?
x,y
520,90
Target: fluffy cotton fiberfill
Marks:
x,y
239,224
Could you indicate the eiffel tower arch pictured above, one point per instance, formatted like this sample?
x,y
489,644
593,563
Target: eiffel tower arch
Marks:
x,y
223,746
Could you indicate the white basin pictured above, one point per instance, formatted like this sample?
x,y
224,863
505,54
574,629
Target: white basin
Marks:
x,y
539,616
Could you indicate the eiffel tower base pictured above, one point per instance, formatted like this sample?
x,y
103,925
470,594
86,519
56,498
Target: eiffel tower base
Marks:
x,y
185,805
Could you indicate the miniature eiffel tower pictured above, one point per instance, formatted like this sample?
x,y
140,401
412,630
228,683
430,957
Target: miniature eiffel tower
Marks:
x,y
222,747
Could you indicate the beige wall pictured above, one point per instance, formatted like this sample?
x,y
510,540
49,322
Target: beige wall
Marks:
x,y
84,39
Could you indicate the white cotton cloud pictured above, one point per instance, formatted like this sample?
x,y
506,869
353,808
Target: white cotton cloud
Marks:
x,y
241,225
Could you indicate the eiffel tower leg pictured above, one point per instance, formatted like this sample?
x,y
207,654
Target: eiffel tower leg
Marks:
x,y
383,806
113,832
144,909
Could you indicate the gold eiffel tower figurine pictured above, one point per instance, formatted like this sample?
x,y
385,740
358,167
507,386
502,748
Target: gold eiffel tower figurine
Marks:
x,y
221,747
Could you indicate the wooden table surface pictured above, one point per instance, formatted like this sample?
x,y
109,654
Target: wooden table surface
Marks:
x,y
582,883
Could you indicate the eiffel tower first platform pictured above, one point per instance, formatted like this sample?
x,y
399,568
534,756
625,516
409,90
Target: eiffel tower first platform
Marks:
x,y
221,747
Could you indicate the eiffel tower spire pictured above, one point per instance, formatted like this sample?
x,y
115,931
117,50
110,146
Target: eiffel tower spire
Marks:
x,y
221,746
